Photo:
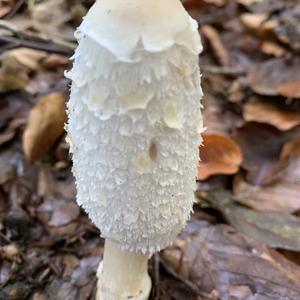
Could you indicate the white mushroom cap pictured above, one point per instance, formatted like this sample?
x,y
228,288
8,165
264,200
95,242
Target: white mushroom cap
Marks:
x,y
119,26
134,120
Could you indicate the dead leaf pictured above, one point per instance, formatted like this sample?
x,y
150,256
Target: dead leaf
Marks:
x,y
290,89
217,260
6,136
276,76
45,125
288,31
276,229
11,252
29,58
54,61
278,196
252,21
10,132
269,113
219,155
4,10
219,3
215,41
261,145
274,49
289,165
215,115
64,213
13,75
61,212
50,18
259,24
248,2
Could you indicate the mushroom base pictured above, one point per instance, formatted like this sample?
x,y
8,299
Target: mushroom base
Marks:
x,y
123,275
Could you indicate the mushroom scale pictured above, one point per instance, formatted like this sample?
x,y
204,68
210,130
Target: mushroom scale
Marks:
x,y
134,131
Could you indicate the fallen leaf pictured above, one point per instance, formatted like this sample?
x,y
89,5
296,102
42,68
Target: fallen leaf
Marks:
x,y
10,132
215,41
276,76
289,165
248,2
290,89
219,3
68,263
29,58
216,117
276,229
288,31
269,113
50,18
259,24
45,125
261,145
6,136
4,10
278,196
252,21
11,252
13,75
54,61
219,155
64,213
219,261
57,213
274,49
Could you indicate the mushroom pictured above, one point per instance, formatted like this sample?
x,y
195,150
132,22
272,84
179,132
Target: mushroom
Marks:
x,y
134,130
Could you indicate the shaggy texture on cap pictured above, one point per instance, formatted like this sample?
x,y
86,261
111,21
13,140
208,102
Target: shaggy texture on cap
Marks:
x,y
134,130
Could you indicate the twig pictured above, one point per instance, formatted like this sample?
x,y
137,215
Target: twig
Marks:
x,y
48,47
230,71
22,39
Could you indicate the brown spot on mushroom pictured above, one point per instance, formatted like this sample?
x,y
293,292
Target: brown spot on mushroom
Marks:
x,y
153,150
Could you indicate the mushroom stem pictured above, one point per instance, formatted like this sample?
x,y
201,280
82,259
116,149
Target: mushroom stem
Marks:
x,y
123,274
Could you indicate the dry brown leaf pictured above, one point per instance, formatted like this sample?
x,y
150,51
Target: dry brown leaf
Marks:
x,y
272,48
279,196
50,18
54,61
290,89
215,115
215,41
219,261
45,125
261,145
11,252
29,58
217,2
277,76
273,228
258,23
269,113
4,10
289,164
219,155
249,2
252,21
64,213
13,75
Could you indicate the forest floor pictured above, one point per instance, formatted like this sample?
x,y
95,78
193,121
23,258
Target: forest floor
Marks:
x,y
243,241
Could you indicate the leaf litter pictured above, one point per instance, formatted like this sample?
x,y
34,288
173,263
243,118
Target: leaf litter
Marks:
x,y
243,240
